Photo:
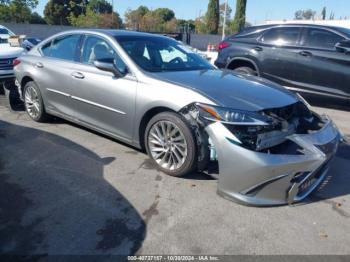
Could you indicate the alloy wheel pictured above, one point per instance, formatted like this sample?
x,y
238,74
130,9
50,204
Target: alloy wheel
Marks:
x,y
32,102
167,145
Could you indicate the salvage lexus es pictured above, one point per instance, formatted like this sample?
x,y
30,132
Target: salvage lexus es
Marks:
x,y
263,143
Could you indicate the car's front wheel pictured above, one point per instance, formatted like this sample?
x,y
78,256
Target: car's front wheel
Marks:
x,y
170,143
34,103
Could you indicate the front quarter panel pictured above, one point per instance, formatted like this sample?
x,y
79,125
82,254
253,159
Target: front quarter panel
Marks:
x,y
153,93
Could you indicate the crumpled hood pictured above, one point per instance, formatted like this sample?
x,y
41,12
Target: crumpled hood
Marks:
x,y
7,51
232,90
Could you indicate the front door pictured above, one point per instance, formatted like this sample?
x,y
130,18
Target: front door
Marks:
x,y
279,53
321,68
101,99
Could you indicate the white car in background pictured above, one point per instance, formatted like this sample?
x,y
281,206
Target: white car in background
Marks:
x,y
8,54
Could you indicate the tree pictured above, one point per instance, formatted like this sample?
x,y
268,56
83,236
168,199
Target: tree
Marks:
x,y
182,24
35,18
158,20
213,16
28,3
324,13
164,14
200,24
98,13
240,17
57,12
100,6
18,11
305,14
133,18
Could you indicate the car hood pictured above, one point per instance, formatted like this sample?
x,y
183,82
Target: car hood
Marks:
x,y
4,36
232,90
7,51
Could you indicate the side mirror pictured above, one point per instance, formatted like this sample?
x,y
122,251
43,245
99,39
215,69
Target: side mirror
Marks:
x,y
108,66
343,46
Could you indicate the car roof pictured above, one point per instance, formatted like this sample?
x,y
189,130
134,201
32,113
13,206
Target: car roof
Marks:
x,y
114,32
294,24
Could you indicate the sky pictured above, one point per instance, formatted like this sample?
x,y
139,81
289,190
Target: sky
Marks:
x,y
257,10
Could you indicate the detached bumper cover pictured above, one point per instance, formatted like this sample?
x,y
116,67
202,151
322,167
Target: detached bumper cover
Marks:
x,y
260,179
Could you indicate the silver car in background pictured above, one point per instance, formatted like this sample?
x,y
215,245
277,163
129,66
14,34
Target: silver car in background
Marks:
x,y
263,144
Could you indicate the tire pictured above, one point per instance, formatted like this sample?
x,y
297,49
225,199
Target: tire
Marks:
x,y
178,150
246,71
13,100
33,102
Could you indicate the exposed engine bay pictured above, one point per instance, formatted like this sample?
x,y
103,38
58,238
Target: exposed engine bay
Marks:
x,y
271,138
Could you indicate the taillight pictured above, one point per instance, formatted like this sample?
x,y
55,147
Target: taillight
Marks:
x,y
16,62
223,45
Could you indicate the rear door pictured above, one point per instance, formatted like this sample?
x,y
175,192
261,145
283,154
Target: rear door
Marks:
x,y
102,100
53,72
321,68
279,52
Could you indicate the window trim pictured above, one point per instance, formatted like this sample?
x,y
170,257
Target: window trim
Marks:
x,y
304,37
297,44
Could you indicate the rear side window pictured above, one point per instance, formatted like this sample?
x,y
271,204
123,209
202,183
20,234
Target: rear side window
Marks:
x,y
320,38
281,36
62,47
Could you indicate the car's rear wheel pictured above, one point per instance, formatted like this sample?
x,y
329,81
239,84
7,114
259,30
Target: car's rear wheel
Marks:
x,y
33,102
170,143
246,71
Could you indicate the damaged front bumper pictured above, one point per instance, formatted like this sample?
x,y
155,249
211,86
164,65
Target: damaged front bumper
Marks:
x,y
264,179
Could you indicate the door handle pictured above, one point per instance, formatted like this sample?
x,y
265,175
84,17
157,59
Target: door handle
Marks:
x,y
78,75
258,48
305,53
39,65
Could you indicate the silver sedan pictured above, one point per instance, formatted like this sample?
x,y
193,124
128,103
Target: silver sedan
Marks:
x,y
264,144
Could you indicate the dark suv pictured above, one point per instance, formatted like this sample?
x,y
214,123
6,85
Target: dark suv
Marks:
x,y
305,58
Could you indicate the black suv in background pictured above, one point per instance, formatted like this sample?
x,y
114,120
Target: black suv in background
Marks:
x,y
313,59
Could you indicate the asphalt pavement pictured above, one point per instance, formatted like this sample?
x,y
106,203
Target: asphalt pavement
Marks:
x,y
67,190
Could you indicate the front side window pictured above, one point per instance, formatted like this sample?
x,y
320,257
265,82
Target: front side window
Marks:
x,y
62,47
158,54
96,48
282,36
319,38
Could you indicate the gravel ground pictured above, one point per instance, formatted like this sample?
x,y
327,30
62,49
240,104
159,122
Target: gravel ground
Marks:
x,y
67,190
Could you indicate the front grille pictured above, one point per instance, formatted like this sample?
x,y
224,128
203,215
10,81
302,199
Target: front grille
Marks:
x,y
6,63
307,184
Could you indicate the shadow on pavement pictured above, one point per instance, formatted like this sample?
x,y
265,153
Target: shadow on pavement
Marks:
x,y
55,200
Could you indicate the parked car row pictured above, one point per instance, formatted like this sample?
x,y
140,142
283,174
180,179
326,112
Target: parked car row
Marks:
x,y
313,59
264,144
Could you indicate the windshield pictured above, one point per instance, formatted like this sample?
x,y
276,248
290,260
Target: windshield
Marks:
x,y
159,54
4,31
345,31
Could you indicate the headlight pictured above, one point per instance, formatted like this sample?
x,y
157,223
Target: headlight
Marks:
x,y
232,116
